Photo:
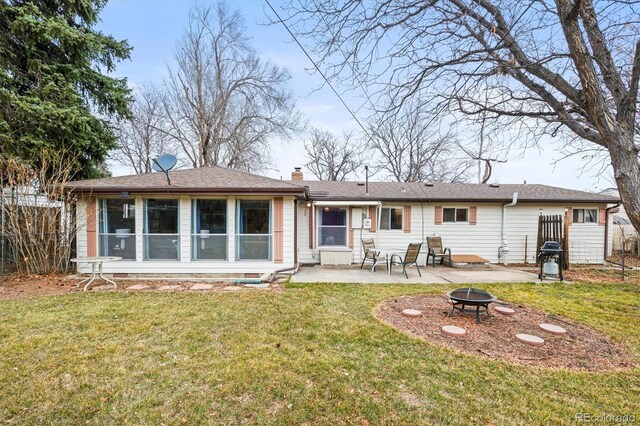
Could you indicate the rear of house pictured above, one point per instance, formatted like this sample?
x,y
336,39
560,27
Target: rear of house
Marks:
x,y
496,222
219,221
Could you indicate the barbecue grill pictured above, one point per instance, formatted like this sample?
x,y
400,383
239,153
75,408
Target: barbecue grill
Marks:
x,y
472,297
551,259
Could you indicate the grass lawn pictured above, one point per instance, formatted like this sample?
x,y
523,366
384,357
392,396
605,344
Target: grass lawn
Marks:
x,y
312,354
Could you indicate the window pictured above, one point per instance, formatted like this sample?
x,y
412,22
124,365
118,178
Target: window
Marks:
x,y
585,215
117,229
391,218
332,227
209,230
161,234
454,215
253,237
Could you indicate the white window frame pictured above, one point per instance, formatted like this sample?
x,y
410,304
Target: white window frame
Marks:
x,y
102,202
194,235
237,235
455,214
584,215
388,228
319,226
145,231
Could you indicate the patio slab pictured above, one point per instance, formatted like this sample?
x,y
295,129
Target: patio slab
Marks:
x,y
437,275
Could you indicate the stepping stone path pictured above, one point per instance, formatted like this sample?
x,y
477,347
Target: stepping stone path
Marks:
x,y
232,288
413,313
138,287
202,287
504,310
453,331
171,287
530,339
553,329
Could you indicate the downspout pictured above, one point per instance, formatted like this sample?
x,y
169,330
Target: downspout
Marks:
x,y
606,229
503,250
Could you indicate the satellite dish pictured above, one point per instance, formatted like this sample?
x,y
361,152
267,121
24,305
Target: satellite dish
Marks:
x,y
164,163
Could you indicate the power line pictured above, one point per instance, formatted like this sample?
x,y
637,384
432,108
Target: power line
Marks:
x,y
318,69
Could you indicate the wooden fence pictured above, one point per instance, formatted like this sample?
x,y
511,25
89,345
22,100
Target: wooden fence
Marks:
x,y
553,228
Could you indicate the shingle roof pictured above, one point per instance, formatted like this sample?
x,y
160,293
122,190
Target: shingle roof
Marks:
x,y
399,191
202,180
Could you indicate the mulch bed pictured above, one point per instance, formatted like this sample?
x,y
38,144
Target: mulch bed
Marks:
x,y
580,349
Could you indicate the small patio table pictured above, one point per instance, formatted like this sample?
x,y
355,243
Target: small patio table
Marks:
x,y
96,261
388,254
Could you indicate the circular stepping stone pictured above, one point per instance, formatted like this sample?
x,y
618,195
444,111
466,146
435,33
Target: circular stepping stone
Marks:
x,y
138,287
530,339
171,287
504,310
411,313
452,330
553,329
202,287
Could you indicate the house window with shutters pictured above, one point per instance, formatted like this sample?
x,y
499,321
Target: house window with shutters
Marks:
x,y
585,215
391,218
455,215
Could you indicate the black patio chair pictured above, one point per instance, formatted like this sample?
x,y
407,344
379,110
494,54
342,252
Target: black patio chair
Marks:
x,y
410,258
370,252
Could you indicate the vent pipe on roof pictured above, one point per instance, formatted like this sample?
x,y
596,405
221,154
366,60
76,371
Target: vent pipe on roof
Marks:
x,y
366,180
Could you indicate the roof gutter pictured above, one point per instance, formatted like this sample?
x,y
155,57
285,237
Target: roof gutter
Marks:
x,y
503,250
116,190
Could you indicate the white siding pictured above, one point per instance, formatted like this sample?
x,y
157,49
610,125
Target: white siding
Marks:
x,y
81,230
482,239
185,228
288,231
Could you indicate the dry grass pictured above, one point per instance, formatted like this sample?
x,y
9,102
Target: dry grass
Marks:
x,y
313,354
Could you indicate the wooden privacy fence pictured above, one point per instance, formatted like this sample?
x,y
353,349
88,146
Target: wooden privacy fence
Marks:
x,y
554,228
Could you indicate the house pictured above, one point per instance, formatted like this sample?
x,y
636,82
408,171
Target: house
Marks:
x,y
216,220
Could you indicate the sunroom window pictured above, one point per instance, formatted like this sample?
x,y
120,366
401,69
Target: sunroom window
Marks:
x,y
161,235
253,237
209,230
332,226
117,228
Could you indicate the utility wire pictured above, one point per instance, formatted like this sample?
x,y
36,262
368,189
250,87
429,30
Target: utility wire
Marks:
x,y
318,69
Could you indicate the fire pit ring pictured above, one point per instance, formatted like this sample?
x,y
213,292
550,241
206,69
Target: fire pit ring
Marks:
x,y
472,297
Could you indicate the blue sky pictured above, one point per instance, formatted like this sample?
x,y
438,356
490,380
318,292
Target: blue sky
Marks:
x,y
152,27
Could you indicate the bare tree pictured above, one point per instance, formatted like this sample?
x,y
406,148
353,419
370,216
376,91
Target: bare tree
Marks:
x,y
145,135
409,147
39,219
222,102
332,158
566,68
489,146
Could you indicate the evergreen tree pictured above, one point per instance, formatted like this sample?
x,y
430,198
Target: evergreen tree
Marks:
x,y
55,92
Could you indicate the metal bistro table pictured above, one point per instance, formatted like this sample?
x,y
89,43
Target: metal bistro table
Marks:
x,y
96,261
388,254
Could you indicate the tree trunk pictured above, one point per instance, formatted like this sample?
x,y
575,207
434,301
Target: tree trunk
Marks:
x,y
626,169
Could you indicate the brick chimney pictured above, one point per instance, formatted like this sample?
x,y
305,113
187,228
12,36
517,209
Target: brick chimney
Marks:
x,y
297,175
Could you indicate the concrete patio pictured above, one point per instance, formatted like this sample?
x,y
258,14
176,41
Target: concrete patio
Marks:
x,y
438,275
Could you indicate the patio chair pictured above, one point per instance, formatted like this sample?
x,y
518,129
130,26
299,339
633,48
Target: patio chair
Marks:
x,y
434,245
370,253
410,258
